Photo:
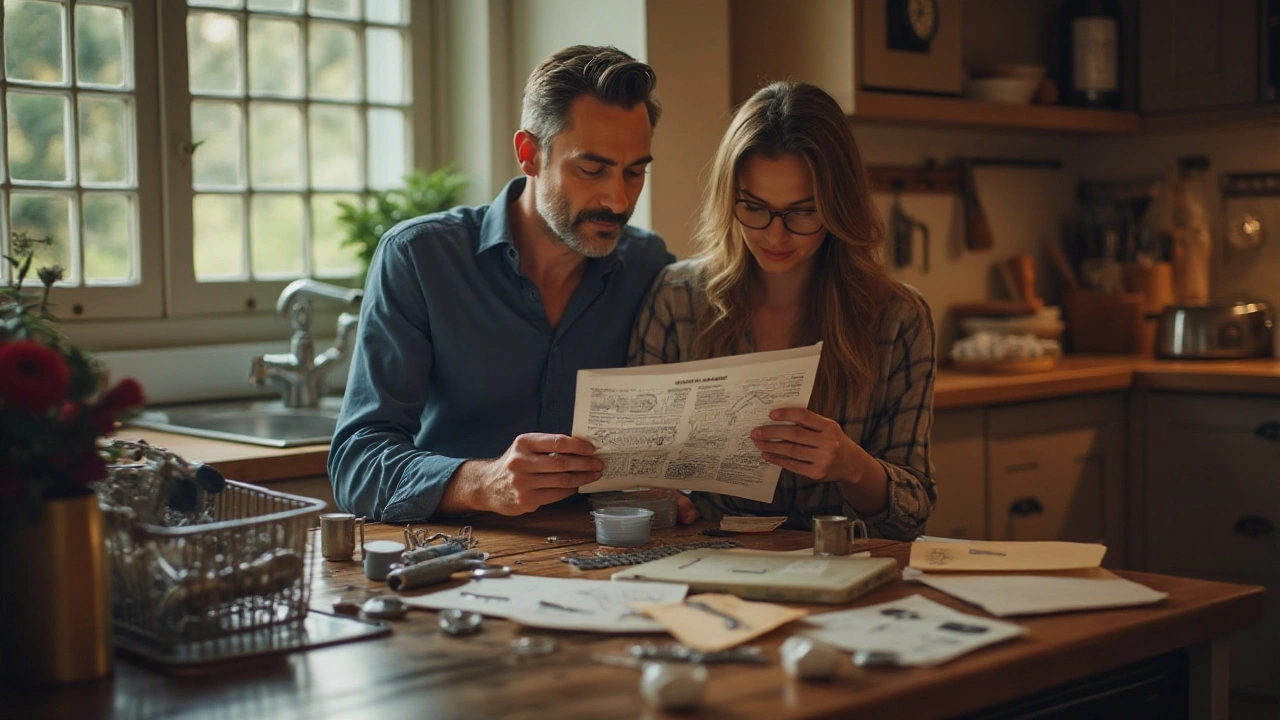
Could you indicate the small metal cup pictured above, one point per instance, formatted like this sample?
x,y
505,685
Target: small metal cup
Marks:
x,y
338,536
836,534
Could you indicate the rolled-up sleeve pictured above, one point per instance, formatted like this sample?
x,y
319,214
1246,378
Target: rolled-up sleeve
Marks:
x,y
898,433
375,468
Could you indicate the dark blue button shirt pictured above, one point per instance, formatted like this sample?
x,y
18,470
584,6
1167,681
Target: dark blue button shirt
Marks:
x,y
455,355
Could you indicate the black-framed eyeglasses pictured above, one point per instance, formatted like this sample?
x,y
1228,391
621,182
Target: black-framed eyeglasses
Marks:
x,y
802,221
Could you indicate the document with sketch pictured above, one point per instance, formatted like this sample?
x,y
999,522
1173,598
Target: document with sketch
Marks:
x,y
688,425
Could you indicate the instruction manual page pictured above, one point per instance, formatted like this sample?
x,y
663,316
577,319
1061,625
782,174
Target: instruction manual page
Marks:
x,y
688,425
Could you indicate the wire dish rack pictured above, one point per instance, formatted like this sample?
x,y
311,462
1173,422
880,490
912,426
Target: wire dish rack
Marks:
x,y
244,568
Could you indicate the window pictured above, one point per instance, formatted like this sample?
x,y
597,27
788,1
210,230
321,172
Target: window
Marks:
x,y
259,115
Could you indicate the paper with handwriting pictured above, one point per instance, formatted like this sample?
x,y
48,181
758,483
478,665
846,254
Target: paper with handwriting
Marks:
x,y
985,556
559,603
919,630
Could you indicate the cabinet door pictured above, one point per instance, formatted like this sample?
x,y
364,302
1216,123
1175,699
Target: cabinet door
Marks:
x,y
959,452
1198,53
1212,484
1057,470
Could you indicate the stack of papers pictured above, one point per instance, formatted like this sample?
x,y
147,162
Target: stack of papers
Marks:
x,y
1024,578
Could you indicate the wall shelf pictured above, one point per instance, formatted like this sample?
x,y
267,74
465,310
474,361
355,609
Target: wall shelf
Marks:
x,y
875,106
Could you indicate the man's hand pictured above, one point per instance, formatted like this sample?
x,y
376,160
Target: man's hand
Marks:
x,y
686,512
537,469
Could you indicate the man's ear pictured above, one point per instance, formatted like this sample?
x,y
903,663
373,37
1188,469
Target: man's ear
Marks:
x,y
527,153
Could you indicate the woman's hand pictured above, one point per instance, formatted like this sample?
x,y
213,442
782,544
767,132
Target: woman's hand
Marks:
x,y
813,446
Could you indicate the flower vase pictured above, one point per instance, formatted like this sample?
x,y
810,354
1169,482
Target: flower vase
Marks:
x,y
55,594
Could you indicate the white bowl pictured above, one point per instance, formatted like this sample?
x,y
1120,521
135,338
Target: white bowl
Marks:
x,y
1004,90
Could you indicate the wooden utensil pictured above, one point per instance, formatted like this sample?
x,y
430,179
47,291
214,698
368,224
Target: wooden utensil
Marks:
x,y
977,229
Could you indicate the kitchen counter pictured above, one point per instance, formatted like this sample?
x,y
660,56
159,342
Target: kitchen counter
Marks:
x,y
1074,375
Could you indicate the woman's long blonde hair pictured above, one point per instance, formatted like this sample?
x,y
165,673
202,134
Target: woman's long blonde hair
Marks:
x,y
849,287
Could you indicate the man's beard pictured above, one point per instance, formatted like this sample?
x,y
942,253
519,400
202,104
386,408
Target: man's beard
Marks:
x,y
555,215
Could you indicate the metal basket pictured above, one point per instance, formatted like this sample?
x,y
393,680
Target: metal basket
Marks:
x,y
248,569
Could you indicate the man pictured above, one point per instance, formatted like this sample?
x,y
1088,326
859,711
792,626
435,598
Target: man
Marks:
x,y
476,321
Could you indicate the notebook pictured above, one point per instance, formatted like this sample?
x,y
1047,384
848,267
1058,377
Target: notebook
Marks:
x,y
769,576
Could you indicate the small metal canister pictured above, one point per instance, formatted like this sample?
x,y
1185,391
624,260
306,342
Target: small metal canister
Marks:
x,y
338,536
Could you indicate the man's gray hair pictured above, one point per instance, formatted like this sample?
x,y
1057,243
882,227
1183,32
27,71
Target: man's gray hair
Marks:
x,y
605,73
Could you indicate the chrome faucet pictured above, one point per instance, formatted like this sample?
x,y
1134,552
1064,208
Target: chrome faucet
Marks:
x,y
301,370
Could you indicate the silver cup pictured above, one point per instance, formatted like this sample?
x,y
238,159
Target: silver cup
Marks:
x,y
836,534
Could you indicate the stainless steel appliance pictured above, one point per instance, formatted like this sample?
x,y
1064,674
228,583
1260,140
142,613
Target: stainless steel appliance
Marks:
x,y
1214,331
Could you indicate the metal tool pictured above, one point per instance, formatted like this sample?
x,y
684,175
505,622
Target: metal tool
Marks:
x,y
434,571
730,621
675,652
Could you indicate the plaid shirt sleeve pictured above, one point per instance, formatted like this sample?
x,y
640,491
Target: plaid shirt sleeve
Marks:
x,y
663,331
897,428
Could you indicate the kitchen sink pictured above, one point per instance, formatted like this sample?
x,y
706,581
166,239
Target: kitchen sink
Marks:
x,y
260,422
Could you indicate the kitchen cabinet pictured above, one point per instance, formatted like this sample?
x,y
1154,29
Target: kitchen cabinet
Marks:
x,y
1209,505
958,448
1056,471
1198,53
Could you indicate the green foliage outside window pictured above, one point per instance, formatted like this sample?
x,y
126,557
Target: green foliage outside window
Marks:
x,y
422,193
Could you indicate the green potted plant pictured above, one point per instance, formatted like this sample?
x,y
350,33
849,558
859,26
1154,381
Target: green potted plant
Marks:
x,y
422,193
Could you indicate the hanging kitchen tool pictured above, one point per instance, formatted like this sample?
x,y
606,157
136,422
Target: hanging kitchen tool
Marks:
x,y
902,230
977,234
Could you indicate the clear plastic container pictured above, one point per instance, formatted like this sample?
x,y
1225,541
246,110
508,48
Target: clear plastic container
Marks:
x,y
623,526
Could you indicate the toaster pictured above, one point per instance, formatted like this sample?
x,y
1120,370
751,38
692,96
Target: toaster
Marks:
x,y
1214,331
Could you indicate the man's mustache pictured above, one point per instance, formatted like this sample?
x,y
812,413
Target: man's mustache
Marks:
x,y
600,216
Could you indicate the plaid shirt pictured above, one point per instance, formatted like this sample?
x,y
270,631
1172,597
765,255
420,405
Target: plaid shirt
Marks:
x,y
892,423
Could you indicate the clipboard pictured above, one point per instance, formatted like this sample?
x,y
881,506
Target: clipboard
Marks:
x,y
769,576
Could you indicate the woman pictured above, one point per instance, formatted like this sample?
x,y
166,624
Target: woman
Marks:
x,y
789,245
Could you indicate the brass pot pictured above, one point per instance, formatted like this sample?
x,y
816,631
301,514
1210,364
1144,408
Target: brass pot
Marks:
x,y
55,595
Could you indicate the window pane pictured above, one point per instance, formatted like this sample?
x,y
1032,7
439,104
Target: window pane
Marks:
x,y
331,259
275,233
100,46
213,54
335,8
219,130
387,152
390,12
106,140
215,3
108,239
218,222
385,67
335,139
45,216
33,41
38,132
331,62
275,142
275,53
289,6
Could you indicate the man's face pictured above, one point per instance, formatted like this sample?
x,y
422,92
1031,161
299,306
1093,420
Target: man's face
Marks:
x,y
592,175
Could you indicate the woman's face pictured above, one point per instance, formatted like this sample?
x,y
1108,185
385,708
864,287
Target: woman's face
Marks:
x,y
779,185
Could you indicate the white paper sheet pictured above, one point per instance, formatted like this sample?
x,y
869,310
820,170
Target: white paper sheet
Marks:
x,y
688,425
559,603
920,630
1008,595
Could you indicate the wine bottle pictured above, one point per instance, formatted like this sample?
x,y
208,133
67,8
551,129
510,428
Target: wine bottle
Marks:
x,y
1092,33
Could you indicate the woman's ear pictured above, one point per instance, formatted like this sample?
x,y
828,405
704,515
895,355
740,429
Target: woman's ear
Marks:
x,y
527,152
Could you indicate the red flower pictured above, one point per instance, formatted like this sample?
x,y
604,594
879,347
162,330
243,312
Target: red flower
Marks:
x,y
33,377
126,394
10,485
89,467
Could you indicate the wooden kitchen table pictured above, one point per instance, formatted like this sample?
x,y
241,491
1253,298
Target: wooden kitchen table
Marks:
x,y
420,672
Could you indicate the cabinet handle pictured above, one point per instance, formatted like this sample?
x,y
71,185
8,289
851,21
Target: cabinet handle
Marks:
x,y
1268,431
1254,526
1026,507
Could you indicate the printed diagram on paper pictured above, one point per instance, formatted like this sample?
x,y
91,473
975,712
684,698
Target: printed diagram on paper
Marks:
x,y
688,425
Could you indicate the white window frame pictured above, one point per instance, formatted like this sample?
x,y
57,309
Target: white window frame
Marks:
x,y
144,299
